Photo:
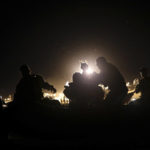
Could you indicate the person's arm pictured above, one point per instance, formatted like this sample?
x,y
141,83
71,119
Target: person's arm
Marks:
x,y
46,85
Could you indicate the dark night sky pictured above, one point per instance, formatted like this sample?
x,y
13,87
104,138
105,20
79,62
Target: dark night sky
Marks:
x,y
53,37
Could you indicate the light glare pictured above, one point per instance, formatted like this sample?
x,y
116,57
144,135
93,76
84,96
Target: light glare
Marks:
x,y
89,71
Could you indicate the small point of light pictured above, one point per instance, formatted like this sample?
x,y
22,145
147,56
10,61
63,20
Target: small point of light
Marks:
x,y
128,84
106,88
133,99
67,83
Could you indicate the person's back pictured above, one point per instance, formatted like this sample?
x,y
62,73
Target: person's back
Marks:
x,y
24,90
75,91
114,80
110,76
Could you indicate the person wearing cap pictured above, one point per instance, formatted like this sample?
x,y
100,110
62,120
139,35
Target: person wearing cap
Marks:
x,y
110,76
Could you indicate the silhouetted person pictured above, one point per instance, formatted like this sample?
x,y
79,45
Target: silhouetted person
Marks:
x,y
144,85
29,88
84,67
110,76
75,91
95,94
83,92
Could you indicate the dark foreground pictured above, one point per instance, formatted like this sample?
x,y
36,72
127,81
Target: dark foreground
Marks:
x,y
124,128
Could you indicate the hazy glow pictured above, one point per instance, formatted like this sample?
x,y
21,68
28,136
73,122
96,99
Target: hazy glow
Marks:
x,y
136,96
128,84
8,99
89,71
49,95
58,96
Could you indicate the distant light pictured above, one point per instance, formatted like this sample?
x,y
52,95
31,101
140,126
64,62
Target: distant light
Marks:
x,y
128,84
89,71
4,106
49,95
57,96
67,83
60,96
136,96
8,99
133,99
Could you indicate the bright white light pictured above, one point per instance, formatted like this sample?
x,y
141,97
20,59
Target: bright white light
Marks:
x,y
136,96
67,83
133,99
49,95
89,71
8,99
128,84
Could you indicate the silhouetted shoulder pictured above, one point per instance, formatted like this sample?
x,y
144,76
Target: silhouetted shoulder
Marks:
x,y
38,78
113,68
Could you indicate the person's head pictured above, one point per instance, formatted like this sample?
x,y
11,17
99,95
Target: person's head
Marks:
x,y
76,77
143,72
84,66
25,70
101,62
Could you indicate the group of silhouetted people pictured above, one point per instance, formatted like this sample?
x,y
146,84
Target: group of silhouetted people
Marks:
x,y
84,91
30,112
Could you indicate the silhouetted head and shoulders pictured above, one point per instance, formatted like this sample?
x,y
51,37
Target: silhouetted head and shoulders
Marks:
x,y
109,72
106,67
26,77
111,76
25,70
28,74
84,67
30,86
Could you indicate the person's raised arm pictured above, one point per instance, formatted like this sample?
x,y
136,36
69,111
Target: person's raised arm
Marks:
x,y
47,86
